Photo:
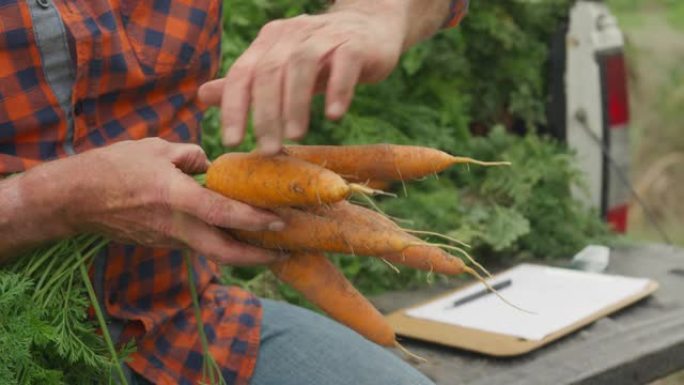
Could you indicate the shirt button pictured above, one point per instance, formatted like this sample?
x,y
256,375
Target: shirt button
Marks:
x,y
43,3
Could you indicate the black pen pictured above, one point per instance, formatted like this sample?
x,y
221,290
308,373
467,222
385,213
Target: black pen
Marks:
x,y
497,286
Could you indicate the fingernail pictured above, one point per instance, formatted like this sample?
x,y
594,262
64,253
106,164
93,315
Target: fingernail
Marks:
x,y
292,130
276,226
335,110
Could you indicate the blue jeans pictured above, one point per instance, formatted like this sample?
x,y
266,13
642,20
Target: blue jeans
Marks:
x,y
300,347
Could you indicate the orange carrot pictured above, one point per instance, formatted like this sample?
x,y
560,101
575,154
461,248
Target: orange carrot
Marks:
x,y
313,275
309,231
346,211
421,256
428,258
386,162
276,181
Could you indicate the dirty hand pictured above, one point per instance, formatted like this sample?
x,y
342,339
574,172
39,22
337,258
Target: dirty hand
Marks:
x,y
140,192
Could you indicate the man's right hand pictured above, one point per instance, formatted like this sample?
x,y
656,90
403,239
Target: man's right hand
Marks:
x,y
140,192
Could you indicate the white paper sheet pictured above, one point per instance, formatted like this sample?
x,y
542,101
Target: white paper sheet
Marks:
x,y
558,297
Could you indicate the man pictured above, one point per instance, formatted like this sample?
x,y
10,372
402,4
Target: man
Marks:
x,y
100,103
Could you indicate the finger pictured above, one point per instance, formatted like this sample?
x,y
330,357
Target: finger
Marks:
x,y
237,88
302,73
188,157
267,90
210,92
344,75
217,245
234,102
217,210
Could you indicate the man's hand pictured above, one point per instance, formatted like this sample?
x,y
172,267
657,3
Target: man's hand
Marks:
x,y
292,59
134,191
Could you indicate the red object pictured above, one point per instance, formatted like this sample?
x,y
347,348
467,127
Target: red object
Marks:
x,y
617,218
616,90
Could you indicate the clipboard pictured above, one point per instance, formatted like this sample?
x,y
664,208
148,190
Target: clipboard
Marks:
x,y
492,343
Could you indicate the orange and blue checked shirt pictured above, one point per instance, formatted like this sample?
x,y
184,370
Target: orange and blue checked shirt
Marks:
x,y
135,69
457,10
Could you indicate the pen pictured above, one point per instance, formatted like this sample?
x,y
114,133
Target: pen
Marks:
x,y
497,286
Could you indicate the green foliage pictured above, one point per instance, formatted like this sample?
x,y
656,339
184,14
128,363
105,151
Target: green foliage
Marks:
x,y
46,337
632,12
490,68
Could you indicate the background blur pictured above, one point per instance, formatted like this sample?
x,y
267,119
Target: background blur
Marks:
x,y
655,35
655,38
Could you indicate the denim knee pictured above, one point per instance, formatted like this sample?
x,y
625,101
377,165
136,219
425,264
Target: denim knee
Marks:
x,y
300,347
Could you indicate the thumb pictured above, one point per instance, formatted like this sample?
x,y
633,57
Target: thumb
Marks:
x,y
210,92
189,158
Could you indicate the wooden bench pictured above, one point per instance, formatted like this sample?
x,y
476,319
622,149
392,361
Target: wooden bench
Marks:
x,y
635,346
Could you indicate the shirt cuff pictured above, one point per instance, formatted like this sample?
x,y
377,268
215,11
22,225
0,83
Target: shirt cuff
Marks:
x,y
457,10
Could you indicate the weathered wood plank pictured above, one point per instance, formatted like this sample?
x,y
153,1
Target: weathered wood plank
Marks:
x,y
634,346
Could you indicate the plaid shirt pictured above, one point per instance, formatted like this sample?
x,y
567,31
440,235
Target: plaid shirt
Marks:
x,y
457,10
137,65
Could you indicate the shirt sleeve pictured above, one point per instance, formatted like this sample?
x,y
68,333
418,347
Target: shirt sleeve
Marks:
x,y
457,10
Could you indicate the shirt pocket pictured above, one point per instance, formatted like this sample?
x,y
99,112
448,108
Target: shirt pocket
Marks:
x,y
169,35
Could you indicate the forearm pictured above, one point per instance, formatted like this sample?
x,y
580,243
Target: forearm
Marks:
x,y
415,19
33,207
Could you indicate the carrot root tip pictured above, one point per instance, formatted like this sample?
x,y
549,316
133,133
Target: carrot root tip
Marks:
x,y
443,236
458,159
489,287
466,255
364,190
410,356
391,265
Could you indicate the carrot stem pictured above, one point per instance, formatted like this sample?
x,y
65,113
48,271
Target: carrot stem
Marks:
x,y
101,321
209,366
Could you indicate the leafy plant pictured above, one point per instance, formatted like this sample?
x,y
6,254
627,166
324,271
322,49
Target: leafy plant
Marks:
x,y
484,74
45,334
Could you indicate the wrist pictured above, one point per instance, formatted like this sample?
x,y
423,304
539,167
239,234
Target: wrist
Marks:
x,y
393,14
38,203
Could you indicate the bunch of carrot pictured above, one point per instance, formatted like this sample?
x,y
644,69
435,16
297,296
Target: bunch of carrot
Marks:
x,y
308,187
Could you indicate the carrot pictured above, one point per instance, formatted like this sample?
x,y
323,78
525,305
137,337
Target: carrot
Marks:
x,y
310,231
384,162
276,181
421,255
346,211
313,275
428,258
